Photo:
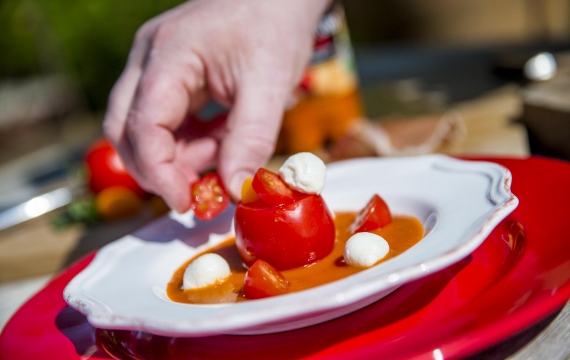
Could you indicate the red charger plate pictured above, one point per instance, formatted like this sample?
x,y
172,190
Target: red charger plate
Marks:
x,y
519,275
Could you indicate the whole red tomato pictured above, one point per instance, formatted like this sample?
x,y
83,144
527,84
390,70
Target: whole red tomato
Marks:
x,y
106,169
286,236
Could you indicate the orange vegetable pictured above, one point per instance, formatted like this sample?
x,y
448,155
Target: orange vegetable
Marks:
x,y
117,202
316,120
248,195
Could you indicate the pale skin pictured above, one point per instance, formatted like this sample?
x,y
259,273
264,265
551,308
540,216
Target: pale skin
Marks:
x,y
247,55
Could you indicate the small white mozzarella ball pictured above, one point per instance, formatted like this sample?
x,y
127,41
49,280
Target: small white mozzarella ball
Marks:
x,y
365,249
205,270
304,172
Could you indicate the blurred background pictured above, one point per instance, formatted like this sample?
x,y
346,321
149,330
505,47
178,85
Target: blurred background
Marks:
x,y
473,77
59,59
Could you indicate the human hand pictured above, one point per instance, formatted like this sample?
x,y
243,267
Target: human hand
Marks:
x,y
247,55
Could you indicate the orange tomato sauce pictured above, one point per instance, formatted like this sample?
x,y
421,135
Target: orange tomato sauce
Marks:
x,y
401,234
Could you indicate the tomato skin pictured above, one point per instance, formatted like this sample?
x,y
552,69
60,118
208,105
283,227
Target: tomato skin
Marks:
x,y
286,237
263,280
374,215
272,190
208,197
106,169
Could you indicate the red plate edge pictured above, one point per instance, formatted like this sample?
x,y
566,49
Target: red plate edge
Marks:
x,y
471,342
540,308
11,343
468,343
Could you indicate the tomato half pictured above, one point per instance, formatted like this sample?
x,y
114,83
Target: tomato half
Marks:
x,y
263,280
209,197
375,215
285,236
272,190
106,169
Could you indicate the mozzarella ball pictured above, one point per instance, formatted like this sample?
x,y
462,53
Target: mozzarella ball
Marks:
x,y
205,270
304,172
365,249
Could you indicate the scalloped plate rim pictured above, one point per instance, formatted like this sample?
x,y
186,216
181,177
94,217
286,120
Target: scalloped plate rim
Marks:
x,y
238,322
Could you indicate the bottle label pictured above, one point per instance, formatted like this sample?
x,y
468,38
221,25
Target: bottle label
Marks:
x,y
332,70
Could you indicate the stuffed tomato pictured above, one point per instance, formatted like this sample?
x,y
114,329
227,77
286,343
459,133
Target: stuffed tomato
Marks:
x,y
282,225
287,236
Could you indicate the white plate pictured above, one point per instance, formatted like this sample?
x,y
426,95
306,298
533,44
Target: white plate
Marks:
x,y
458,202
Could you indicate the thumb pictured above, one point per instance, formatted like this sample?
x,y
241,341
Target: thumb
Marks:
x,y
252,129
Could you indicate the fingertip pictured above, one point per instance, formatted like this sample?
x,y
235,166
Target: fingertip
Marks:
x,y
180,204
168,182
177,206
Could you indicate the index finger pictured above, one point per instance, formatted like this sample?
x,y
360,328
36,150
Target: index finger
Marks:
x,y
160,106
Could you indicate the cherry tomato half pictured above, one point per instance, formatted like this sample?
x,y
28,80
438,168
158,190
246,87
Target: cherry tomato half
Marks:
x,y
263,280
272,190
208,196
106,169
285,236
374,216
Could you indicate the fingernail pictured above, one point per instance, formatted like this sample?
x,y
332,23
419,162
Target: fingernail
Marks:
x,y
237,181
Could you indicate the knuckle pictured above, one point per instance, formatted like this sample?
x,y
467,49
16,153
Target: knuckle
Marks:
x,y
143,33
153,85
260,147
132,125
147,84
164,32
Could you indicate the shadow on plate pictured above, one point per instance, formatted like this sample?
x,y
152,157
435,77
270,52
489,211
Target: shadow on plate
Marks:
x,y
163,229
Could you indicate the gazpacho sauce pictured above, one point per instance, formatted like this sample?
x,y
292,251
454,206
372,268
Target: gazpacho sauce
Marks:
x,y
402,233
